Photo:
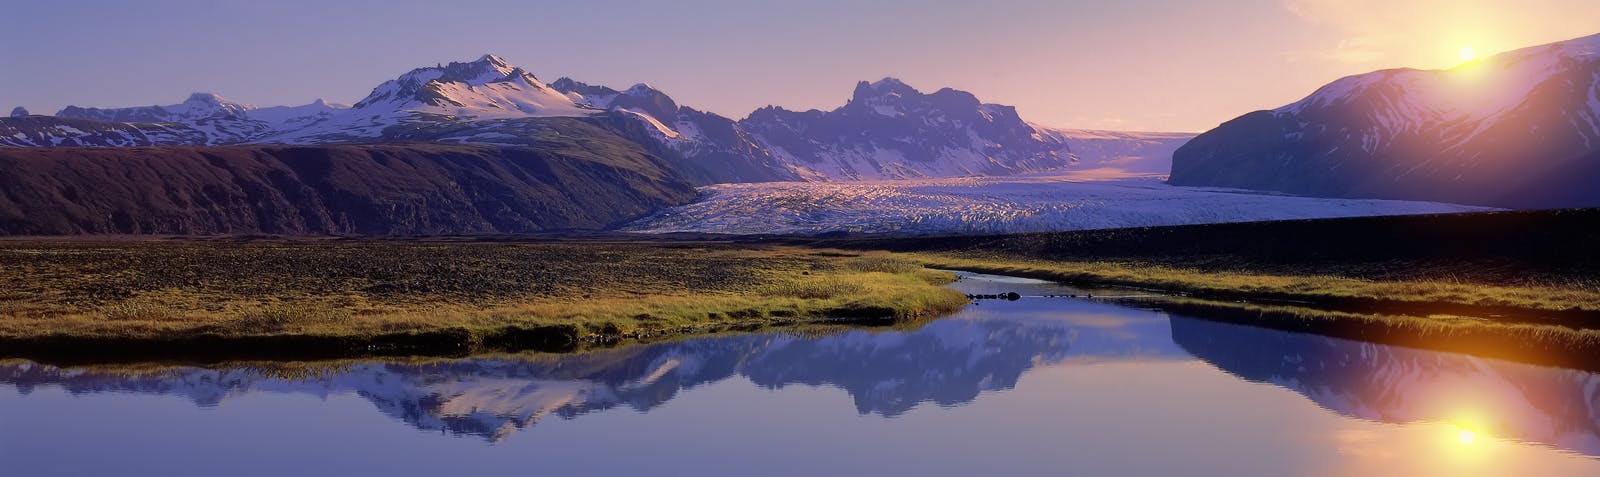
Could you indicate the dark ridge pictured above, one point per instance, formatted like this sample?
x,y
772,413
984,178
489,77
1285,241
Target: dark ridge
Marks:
x,y
1492,247
592,180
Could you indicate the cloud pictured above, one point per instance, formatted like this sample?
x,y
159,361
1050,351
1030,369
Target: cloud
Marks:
x,y
1369,31
1355,50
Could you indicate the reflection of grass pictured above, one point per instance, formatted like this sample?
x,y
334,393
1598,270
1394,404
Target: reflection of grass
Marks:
x,y
470,294
1551,324
1321,289
1527,342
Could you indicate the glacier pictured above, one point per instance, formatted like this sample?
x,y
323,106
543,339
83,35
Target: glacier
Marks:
x,y
1078,200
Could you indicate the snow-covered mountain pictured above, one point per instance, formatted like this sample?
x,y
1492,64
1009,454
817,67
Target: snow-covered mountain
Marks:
x,y
198,106
886,130
889,130
486,88
202,119
456,102
989,205
1518,129
710,148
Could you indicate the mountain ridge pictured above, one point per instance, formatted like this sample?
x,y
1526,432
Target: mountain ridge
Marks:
x,y
579,177
1510,130
490,101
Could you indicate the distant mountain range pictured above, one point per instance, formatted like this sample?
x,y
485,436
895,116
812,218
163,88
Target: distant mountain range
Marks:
x,y
886,130
486,147
1520,129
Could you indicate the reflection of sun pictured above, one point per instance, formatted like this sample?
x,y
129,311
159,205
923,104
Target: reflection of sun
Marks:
x,y
1466,436
1467,54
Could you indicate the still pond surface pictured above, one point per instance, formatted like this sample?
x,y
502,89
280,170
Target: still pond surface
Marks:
x,y
1038,386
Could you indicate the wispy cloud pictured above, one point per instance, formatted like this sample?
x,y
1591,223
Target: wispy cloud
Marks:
x,y
1369,29
1356,50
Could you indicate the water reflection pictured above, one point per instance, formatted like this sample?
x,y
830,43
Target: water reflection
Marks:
x,y
1104,380
947,362
1480,397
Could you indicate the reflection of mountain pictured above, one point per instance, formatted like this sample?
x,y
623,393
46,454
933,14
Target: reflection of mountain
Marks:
x,y
1560,407
948,362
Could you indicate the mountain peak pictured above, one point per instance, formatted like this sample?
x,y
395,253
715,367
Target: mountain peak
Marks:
x,y
486,69
566,84
642,88
488,86
492,59
885,87
888,81
19,112
201,105
204,98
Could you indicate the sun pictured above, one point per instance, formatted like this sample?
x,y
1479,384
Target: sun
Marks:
x,y
1467,54
1466,436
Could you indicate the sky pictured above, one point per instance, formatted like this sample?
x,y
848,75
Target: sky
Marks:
x,y
1152,65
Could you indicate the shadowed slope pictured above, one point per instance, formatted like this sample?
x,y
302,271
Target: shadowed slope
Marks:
x,y
583,179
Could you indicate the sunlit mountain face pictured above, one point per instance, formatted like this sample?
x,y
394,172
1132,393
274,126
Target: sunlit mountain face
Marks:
x,y
1518,129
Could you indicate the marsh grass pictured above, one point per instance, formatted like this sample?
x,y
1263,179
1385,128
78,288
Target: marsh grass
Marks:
x,y
135,311
468,291
1570,295
882,263
282,317
817,287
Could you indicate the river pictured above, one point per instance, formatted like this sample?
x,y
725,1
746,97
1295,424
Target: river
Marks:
x,y
1036,386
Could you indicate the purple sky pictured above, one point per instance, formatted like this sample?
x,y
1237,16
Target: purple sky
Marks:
x,y
1136,64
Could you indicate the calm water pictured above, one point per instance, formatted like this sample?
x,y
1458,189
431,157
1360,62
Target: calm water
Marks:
x,y
1036,386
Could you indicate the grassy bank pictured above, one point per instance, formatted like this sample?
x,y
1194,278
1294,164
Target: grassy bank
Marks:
x,y
1532,265
1517,285
1555,325
1574,300
338,297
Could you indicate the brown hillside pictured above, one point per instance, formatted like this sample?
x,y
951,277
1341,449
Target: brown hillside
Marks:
x,y
577,182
